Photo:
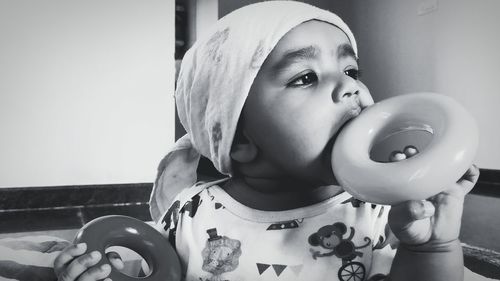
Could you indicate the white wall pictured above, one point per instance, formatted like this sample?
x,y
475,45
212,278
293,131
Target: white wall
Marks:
x,y
467,66
206,14
86,91
396,46
452,50
340,7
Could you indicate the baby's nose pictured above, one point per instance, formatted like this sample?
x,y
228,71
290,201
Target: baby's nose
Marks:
x,y
349,94
345,89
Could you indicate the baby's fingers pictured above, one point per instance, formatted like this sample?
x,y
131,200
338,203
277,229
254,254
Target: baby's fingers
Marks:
x,y
459,189
115,260
469,179
407,212
80,265
67,255
96,273
410,221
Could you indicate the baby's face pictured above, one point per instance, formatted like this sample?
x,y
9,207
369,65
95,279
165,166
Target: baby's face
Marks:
x,y
305,91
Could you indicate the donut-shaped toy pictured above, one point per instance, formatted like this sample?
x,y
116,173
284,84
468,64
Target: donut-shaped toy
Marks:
x,y
128,232
428,170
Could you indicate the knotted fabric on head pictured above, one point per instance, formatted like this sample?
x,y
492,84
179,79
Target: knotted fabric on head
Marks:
x,y
214,80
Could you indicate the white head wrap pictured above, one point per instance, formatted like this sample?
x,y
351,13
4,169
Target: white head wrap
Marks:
x,y
214,80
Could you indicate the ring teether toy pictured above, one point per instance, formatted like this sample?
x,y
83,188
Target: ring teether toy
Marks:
x,y
445,157
115,230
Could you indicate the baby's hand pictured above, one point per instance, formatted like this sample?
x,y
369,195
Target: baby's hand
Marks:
x,y
433,223
74,264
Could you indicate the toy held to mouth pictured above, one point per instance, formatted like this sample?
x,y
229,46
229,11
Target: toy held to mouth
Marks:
x,y
408,147
116,230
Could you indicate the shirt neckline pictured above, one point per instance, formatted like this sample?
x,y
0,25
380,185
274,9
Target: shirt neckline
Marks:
x,y
251,214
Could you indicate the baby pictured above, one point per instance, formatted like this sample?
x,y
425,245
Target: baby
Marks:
x,y
264,97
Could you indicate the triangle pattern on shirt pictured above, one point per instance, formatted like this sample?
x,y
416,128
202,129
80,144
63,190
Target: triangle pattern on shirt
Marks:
x,y
296,268
278,268
262,267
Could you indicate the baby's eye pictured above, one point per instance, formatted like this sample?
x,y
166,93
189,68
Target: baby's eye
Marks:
x,y
353,73
304,80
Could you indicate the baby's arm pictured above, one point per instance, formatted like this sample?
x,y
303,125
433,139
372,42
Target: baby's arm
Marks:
x,y
428,232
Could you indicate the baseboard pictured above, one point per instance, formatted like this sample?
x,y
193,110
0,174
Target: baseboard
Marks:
x,y
65,207
488,183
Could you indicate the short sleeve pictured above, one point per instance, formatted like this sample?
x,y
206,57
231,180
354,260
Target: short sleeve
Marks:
x,y
384,249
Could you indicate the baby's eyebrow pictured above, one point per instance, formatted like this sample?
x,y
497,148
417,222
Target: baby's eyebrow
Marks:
x,y
346,50
293,56
310,52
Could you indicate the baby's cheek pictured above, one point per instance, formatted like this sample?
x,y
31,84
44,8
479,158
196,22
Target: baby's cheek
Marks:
x,y
365,98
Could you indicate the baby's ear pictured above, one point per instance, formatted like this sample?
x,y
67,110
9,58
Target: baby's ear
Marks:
x,y
243,149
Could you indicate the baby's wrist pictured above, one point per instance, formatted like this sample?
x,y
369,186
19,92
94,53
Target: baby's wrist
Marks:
x,y
433,246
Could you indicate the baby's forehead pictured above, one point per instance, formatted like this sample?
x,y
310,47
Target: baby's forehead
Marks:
x,y
313,32
312,39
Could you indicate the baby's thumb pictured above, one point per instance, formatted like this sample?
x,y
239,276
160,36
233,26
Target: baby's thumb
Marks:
x,y
409,221
410,211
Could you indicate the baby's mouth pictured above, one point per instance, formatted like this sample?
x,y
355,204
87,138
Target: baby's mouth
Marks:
x,y
353,110
346,119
